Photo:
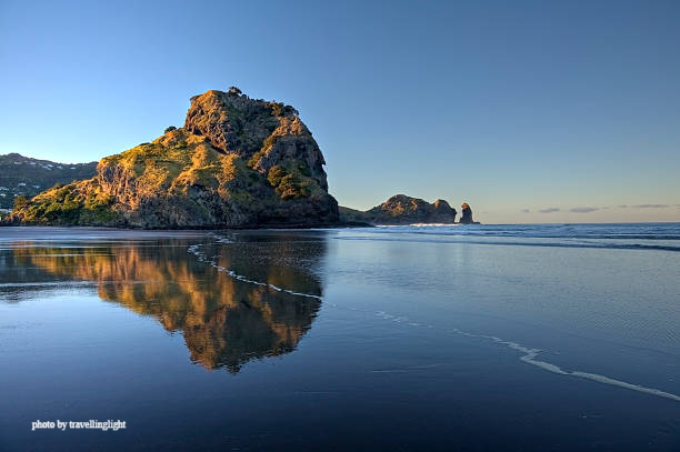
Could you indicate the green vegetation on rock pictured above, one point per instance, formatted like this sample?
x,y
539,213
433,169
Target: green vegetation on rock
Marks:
x,y
292,181
70,205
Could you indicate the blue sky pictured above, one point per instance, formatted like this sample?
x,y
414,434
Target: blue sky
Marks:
x,y
567,107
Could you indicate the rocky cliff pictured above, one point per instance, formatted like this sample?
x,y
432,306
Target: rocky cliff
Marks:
x,y
402,209
237,162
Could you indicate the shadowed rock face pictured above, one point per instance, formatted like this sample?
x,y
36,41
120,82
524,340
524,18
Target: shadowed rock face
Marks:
x,y
402,209
443,212
238,162
466,217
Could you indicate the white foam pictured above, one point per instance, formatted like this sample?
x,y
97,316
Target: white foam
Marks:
x,y
623,384
434,225
195,250
530,355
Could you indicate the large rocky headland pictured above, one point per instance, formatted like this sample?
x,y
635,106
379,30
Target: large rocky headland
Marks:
x,y
237,162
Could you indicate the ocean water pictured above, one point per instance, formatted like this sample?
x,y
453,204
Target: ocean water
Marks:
x,y
471,338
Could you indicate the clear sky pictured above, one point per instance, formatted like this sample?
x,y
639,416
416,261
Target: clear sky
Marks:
x,y
531,111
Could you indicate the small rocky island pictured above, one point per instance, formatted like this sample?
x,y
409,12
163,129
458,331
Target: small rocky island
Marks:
x,y
402,209
236,163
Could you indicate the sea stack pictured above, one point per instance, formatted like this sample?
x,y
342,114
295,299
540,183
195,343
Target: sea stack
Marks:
x,y
466,214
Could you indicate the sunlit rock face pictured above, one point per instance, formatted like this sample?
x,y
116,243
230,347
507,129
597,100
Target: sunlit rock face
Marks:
x,y
237,162
402,209
265,134
225,322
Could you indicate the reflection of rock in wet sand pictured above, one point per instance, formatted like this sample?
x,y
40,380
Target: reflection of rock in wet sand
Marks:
x,y
225,323
266,324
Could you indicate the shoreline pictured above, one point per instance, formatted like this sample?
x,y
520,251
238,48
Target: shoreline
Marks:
x,y
306,227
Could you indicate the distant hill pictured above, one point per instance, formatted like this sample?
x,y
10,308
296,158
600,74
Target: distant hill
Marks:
x,y
349,215
24,176
402,209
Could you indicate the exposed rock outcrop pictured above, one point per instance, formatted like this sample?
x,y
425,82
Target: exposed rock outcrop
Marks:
x,y
402,209
237,162
466,213
443,212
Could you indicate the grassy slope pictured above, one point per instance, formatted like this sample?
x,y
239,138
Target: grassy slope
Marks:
x,y
169,166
